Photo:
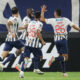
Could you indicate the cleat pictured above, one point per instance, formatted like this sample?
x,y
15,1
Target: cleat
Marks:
x,y
65,75
38,71
51,61
21,75
1,66
17,67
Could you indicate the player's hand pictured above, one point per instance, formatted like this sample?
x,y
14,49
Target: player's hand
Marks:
x,y
43,42
13,35
43,8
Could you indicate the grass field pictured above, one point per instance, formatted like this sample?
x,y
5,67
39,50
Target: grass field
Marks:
x,y
34,76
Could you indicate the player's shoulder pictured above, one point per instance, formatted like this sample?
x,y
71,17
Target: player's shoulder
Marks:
x,y
39,22
26,18
33,21
11,18
51,19
66,19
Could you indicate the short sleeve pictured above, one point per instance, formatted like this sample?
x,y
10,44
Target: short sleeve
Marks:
x,y
40,25
69,22
26,21
10,19
49,21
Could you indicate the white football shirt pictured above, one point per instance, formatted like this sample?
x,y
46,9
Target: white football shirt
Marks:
x,y
60,26
32,39
13,28
25,21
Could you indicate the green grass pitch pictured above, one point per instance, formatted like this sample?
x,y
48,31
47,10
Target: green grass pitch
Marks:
x,y
34,76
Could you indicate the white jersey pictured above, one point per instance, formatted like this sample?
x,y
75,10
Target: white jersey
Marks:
x,y
60,27
32,39
13,28
26,21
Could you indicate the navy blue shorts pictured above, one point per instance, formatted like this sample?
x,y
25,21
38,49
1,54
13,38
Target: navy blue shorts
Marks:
x,y
22,41
36,52
62,46
9,45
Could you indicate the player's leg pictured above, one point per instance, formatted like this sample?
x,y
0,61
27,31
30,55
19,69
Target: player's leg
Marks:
x,y
63,64
62,48
11,57
37,57
26,56
21,52
6,50
21,58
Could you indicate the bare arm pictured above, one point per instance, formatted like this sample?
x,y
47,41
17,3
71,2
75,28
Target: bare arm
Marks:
x,y
25,27
43,10
8,26
75,27
9,30
40,37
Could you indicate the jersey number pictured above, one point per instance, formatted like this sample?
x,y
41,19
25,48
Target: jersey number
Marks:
x,y
60,29
32,32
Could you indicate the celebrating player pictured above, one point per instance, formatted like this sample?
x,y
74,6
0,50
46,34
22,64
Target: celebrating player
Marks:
x,y
60,29
26,21
32,43
12,36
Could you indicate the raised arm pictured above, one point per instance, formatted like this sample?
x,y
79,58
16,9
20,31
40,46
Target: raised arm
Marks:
x,y
43,10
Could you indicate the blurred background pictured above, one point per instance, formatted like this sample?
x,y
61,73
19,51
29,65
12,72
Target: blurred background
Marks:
x,y
70,9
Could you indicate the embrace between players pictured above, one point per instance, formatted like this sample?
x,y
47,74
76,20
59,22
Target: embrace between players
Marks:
x,y
29,40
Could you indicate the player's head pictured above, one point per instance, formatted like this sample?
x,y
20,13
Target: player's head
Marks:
x,y
57,13
14,11
37,15
30,12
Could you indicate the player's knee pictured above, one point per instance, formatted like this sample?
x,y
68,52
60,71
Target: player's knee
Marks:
x,y
22,49
41,57
18,52
5,53
65,56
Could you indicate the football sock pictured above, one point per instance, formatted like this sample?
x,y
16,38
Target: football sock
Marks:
x,y
36,65
11,57
21,58
62,63
63,67
22,66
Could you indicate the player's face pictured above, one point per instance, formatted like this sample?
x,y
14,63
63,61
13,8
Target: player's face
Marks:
x,y
31,13
17,14
55,14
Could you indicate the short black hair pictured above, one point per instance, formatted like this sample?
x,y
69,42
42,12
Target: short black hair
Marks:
x,y
59,12
37,14
14,10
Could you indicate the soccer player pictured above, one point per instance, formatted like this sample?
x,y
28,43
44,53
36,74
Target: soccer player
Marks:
x,y
12,36
26,21
60,30
32,43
